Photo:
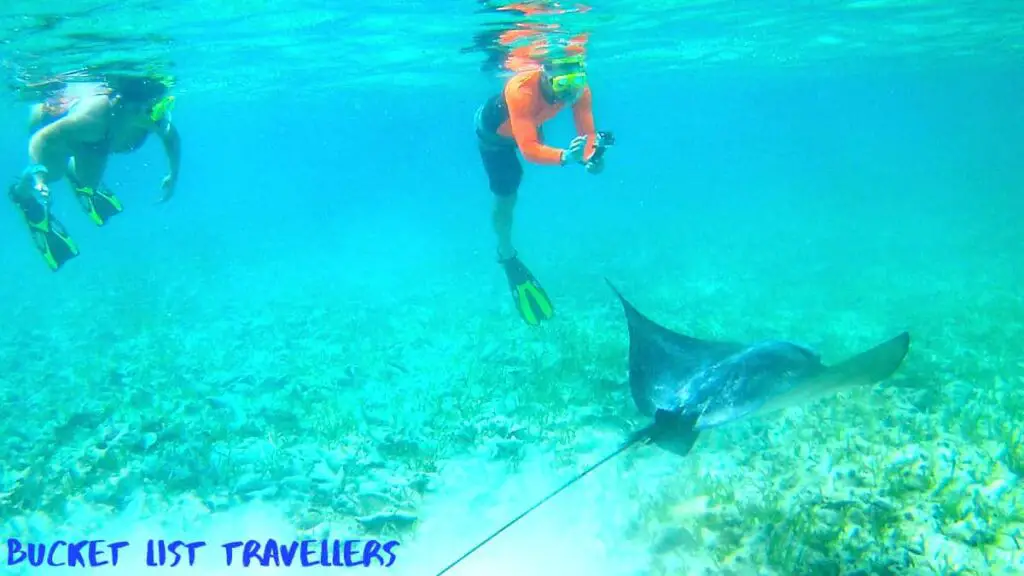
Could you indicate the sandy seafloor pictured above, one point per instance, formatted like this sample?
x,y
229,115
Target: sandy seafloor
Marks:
x,y
374,402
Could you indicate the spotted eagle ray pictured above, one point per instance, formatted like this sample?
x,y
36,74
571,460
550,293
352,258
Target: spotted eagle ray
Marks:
x,y
687,385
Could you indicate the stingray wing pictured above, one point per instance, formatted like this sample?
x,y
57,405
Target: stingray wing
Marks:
x,y
867,368
661,360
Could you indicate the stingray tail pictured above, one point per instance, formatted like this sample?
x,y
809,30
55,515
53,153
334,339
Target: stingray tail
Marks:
x,y
635,438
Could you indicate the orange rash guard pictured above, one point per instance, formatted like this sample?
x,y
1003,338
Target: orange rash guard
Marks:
x,y
528,110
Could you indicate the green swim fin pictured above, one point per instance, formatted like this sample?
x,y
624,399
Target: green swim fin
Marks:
x,y
49,235
99,203
529,297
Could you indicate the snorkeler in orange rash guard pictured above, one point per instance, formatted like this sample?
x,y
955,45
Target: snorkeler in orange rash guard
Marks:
x,y
510,123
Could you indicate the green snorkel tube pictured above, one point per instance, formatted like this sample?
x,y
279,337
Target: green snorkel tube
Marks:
x,y
162,109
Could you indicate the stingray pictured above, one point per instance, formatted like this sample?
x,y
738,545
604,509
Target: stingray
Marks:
x,y
686,385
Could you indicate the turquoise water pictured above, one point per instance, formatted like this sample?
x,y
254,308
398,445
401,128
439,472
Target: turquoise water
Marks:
x,y
312,338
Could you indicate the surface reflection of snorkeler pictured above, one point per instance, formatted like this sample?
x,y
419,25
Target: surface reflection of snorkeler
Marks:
x,y
510,45
508,124
73,134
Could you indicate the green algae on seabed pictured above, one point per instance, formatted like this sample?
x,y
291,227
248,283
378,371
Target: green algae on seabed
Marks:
x,y
1013,450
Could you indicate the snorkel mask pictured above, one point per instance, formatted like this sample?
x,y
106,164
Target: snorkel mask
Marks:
x,y
162,109
568,76
146,95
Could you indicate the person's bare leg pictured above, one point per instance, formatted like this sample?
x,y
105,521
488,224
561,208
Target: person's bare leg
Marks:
x,y
85,172
501,217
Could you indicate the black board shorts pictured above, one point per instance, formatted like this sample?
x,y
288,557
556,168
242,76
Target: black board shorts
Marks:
x,y
500,155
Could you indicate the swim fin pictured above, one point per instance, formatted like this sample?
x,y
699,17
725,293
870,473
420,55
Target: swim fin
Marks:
x,y
49,235
99,203
529,297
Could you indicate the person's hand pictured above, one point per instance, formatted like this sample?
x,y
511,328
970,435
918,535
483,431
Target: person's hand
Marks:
x,y
577,148
596,166
167,188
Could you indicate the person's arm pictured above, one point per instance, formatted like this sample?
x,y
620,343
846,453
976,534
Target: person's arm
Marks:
x,y
583,114
171,140
525,131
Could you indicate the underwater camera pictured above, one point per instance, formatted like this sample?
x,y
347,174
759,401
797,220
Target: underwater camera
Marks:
x,y
603,141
